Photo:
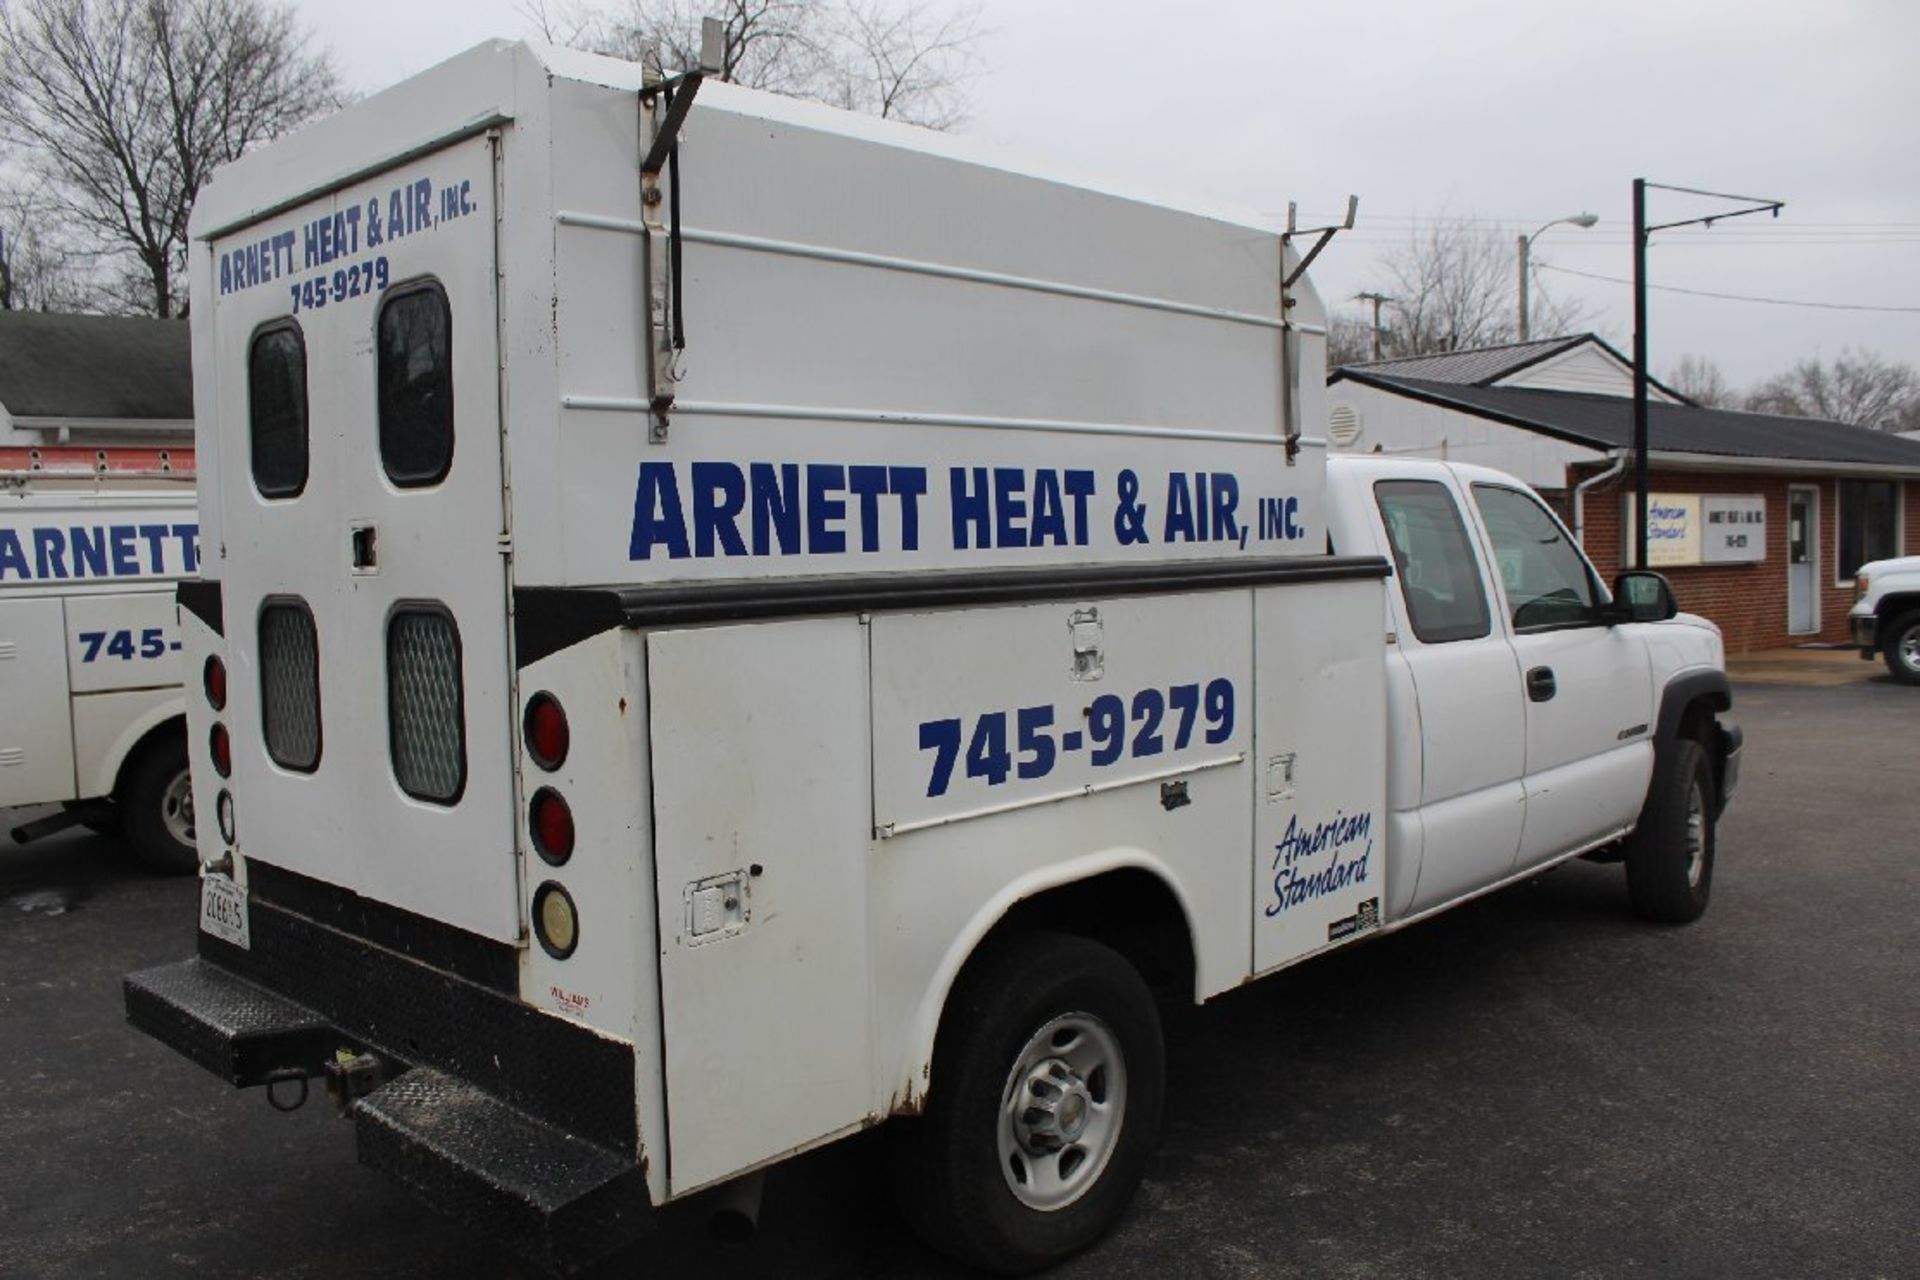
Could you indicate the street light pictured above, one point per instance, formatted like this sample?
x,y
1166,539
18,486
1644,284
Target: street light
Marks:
x,y
1526,246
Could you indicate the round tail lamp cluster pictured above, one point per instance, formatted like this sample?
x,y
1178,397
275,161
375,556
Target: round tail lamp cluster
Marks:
x,y
555,922
213,681
544,730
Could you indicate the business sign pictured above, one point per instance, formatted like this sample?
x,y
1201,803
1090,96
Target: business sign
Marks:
x,y
1673,528
1736,528
1692,528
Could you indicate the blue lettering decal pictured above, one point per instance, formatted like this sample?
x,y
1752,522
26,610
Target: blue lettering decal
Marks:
x,y
1080,487
909,483
1294,883
156,535
1049,523
1226,507
719,494
1010,505
1179,522
657,518
970,508
50,552
189,536
869,483
124,563
776,507
12,557
823,510
89,547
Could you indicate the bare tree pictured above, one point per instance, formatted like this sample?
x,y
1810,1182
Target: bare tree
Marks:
x,y
1349,339
37,271
1858,387
908,60
123,108
1452,285
1700,380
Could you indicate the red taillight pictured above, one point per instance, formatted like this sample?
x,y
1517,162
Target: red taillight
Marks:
x,y
546,732
552,824
216,682
221,750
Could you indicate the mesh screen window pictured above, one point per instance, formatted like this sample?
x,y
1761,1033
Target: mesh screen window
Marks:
x,y
426,712
290,685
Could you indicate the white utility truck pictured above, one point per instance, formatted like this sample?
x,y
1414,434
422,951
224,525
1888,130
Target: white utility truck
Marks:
x,y
735,622
1886,614
93,542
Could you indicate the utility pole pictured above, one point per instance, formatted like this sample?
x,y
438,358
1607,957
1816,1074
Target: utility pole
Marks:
x,y
1376,299
1526,253
1640,233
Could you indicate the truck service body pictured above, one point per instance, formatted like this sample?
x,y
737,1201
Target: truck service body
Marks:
x,y
92,545
742,623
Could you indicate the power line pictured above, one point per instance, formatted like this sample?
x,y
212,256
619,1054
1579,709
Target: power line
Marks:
x,y
1735,297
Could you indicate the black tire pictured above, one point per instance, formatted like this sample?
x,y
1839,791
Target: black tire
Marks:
x,y
949,1175
1669,879
148,797
1901,648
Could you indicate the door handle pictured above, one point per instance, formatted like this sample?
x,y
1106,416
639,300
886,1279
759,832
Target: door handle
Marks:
x,y
1541,685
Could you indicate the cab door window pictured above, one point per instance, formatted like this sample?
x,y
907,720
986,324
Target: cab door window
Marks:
x,y
1547,581
1439,575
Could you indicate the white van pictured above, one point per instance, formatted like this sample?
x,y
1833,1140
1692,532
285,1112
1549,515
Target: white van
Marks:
x,y
93,543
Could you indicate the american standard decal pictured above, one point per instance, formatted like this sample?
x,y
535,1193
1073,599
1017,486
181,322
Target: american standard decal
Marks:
x,y
1315,861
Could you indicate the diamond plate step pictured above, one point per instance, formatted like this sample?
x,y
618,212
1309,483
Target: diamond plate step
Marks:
x,y
559,1200
226,1024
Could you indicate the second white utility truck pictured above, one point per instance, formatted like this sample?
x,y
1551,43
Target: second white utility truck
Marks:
x,y
735,622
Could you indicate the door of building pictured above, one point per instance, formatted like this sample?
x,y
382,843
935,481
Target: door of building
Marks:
x,y
1803,561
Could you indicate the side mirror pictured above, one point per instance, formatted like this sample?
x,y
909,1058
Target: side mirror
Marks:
x,y
1640,595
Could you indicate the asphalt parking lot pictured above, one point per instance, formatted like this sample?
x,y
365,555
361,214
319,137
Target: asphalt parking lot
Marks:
x,y
1534,1084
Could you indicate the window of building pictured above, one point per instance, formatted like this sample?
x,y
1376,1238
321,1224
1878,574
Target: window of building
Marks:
x,y
1439,575
1869,524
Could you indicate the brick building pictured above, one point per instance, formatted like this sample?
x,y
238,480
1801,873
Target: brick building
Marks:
x,y
1759,521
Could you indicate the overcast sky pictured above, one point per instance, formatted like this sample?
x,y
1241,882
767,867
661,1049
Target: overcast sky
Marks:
x,y
1511,113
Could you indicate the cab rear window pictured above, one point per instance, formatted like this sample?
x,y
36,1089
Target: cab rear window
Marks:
x,y
277,410
416,385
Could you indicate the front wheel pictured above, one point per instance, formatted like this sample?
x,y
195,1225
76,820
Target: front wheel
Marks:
x,y
1048,1083
155,799
1902,649
1670,854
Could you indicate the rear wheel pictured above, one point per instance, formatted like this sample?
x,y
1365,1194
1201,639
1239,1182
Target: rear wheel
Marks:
x,y
1046,1097
1670,854
1902,649
155,800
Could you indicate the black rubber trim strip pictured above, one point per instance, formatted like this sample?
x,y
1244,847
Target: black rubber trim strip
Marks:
x,y
547,619
465,955
201,598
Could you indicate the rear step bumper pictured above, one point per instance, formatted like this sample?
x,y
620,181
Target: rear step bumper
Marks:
x,y
557,1199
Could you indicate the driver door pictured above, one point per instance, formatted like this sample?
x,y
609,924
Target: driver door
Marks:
x,y
1588,686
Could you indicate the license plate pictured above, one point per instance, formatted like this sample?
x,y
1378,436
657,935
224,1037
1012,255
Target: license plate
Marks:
x,y
223,911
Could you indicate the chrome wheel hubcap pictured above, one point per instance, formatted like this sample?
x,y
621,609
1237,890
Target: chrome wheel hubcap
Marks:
x,y
1061,1112
1696,835
1910,650
176,808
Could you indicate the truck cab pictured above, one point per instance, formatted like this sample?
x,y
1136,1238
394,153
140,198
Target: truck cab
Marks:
x,y
1885,617
1533,711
